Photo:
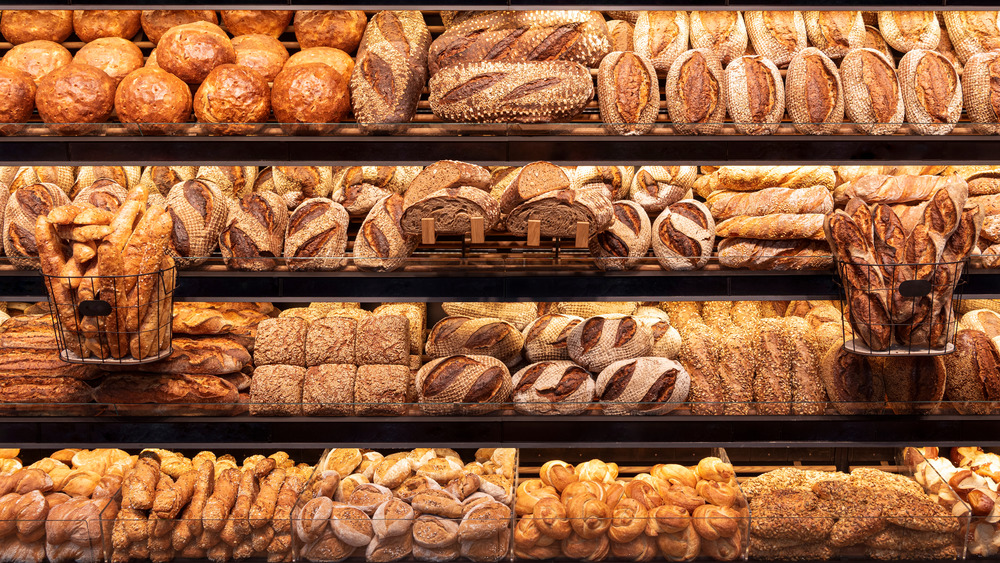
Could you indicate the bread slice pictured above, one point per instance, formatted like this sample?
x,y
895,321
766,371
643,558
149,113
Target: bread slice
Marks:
x,y
559,212
452,210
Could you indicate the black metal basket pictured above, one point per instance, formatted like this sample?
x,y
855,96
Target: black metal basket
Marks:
x,y
912,313
121,320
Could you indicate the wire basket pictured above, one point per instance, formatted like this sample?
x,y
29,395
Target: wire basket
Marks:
x,y
121,320
910,313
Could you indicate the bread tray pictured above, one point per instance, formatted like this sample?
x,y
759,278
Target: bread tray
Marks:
x,y
858,346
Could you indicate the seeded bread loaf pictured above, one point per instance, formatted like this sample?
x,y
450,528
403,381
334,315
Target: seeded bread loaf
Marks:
x,y
872,95
932,92
835,33
695,93
972,32
317,236
628,93
981,70
199,212
481,336
328,389
530,181
814,95
755,95
463,384
599,341
626,242
416,314
382,339
724,32
661,36
776,35
973,382
255,233
276,390
560,211
905,30
281,341
380,390
381,244
683,236
331,340
546,338
552,387
656,187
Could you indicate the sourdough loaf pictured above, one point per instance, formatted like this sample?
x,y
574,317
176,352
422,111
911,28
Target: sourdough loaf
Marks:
x,y
560,211
254,236
382,339
932,92
789,254
159,179
983,108
125,176
199,212
972,32
661,36
778,226
777,35
656,187
30,395
621,34
642,386
683,236
835,33
103,194
317,236
463,384
443,175
168,394
359,188
381,244
905,30
912,385
24,206
617,179
202,356
277,390
295,184
628,93
599,341
626,241
233,181
452,211
546,338
530,181
695,93
755,95
380,390
328,389
874,40
724,32
552,387
480,336
517,313
872,94
814,95
973,382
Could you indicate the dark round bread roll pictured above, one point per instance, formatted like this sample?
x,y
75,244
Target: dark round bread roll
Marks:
x,y
37,58
156,22
21,26
17,99
263,53
190,51
117,57
330,28
248,22
155,99
306,96
338,59
95,24
235,97
75,98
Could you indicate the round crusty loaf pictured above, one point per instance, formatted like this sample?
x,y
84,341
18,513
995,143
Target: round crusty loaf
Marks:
x,y
261,52
37,58
981,70
18,102
295,184
617,179
105,194
972,32
546,338
755,95
666,339
24,206
656,187
358,188
117,57
683,236
661,36
255,234
482,336
912,384
724,32
983,320
125,176
159,179
599,341
381,245
626,242
199,212
696,97
517,313
642,386
932,92
553,387
872,94
850,383
777,35
191,51
814,95
317,236
905,30
463,384
835,33
628,93
973,383
452,210
232,181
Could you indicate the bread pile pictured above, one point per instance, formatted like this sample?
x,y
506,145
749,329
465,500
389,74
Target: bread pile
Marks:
x,y
589,512
807,514
60,508
984,191
427,504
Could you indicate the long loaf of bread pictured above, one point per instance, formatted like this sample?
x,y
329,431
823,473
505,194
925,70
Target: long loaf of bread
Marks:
x,y
791,254
778,226
728,204
753,178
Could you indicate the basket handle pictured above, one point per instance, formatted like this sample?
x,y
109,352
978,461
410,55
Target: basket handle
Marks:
x,y
94,308
915,288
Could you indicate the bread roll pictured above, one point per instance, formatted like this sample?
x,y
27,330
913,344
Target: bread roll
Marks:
x,y
661,36
621,33
599,341
906,30
696,97
482,336
463,384
560,211
341,29
249,22
656,187
932,92
972,32
628,93
191,51
198,211
983,109
872,94
24,206
262,53
777,35
117,57
22,26
973,369
642,386
835,33
277,391
553,387
255,233
75,99
17,99
755,95
235,98
789,254
626,242
155,100
381,244
546,338
37,58
683,236
307,96
814,95
156,22
339,60
328,389
724,32
317,236
90,25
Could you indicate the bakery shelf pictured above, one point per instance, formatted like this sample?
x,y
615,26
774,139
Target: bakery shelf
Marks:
x,y
496,4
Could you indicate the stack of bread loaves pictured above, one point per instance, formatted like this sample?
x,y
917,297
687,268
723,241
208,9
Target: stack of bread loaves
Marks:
x,y
984,191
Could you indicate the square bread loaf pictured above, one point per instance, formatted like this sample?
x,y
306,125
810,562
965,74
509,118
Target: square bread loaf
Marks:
x,y
331,341
329,390
381,389
276,390
383,339
281,341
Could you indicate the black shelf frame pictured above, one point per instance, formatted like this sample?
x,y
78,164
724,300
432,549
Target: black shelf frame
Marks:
x,y
497,4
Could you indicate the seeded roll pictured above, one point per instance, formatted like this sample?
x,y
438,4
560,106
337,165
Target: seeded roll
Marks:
x,y
642,386
463,384
552,387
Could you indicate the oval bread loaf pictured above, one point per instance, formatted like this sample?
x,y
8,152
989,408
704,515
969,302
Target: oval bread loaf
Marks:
x,y
726,204
642,386
24,206
656,187
546,338
850,383
61,176
755,95
517,313
932,92
482,336
789,254
983,107
777,226
666,339
724,32
296,184
233,181
972,32
125,176
874,40
255,234
199,212
626,242
463,384
835,33
776,35
381,244
628,93
983,320
872,94
905,30
553,387
683,236
814,95
695,93
973,383
317,236
160,179
661,36
599,341
617,179
621,33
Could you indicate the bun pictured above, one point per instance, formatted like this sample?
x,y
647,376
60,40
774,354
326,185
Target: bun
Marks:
x,y
37,58
341,29
156,22
22,26
191,51
17,100
235,97
250,22
117,57
74,98
339,60
310,94
154,99
95,24
262,53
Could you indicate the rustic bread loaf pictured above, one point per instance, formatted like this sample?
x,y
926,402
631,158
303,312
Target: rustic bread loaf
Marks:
x,y
906,30
642,386
416,314
359,188
233,100
317,236
695,93
877,188
442,175
776,226
599,341
683,236
199,212
391,70
789,254
617,179
19,103
661,36
167,394
23,208
546,338
202,356
972,32
75,99
982,320
476,336
559,212
22,26
190,51
666,339
281,341
656,187
724,32
626,241
61,176
234,181
328,389
621,34
983,108
932,92
552,387
628,93
156,22
808,395
700,357
814,95
728,204
117,57
737,365
380,390
517,313
37,58
777,35
753,178
254,236
382,339
381,244
452,210
307,98
463,384
330,340
531,181
104,194
755,95
340,29
490,92
277,390
295,184
874,40
159,179
588,309
972,383
125,176
912,385
835,33
872,94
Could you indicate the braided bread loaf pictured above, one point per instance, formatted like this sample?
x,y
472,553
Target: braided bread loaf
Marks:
x,y
483,336
599,341
463,384
642,386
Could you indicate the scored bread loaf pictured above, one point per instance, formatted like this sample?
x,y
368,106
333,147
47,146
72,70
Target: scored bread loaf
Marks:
x,y
776,226
661,36
835,33
695,93
753,178
502,92
233,181
125,176
23,208
517,313
776,35
390,70
546,338
656,187
972,32
358,188
62,176
724,32
683,236
295,184
666,339
588,309
699,355
199,213
617,179
789,254
642,386
850,383
878,188
452,210
973,382
628,93
814,95
205,356
983,320
912,384
159,179
872,95
416,314
255,234
599,341
727,204
317,236
621,34
381,244
874,40
481,336
905,30
932,92
983,108
463,384
167,394
626,241
560,211
755,95
552,387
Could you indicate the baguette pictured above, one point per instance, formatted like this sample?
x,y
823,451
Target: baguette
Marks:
x,y
778,226
872,94
906,30
755,95
835,33
777,35
729,204
791,254
661,36
932,92
628,93
724,32
814,95
982,70
696,97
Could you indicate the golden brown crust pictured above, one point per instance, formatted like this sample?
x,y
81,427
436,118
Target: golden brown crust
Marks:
x,y
191,51
262,53
76,95
37,58
117,57
338,59
312,93
232,95
156,22
154,98
22,26
330,28
95,24
247,22
17,99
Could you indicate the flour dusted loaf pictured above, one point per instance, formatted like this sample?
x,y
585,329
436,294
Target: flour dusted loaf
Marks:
x,y
983,108
906,30
683,236
24,206
661,36
552,387
872,95
254,237
626,242
729,204
777,35
277,390
932,92
359,188
199,212
755,95
234,181
559,212
490,92
628,93
383,339
789,254
972,32
517,313
317,236
159,179
695,93
642,386
814,95
599,341
835,33
723,31
482,336
463,385
295,184
656,187
546,338
621,33
616,179
381,244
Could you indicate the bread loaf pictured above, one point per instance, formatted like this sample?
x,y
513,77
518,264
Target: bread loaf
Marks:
x,y
912,385
247,22
982,107
727,204
683,236
191,51
262,53
416,314
340,29
755,95
599,341
61,176
281,341
146,395
329,390
317,236
490,92
621,34
382,339
891,189
789,254
874,40
973,370
24,206
482,336
307,97
233,100
872,94
37,58
159,179
254,236
972,32
656,187
617,179
695,93
391,70
661,36
517,313
463,384
700,357
295,184
198,212
277,390
19,102
642,386
932,92
331,340
552,387
156,22
628,93
444,174
906,30
452,210
546,338
202,356
814,95
32,395
380,390
724,32
531,181
358,188
560,211
22,26
777,226
381,244
104,194
626,242
776,35
117,57
982,320
126,177
75,99
835,33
